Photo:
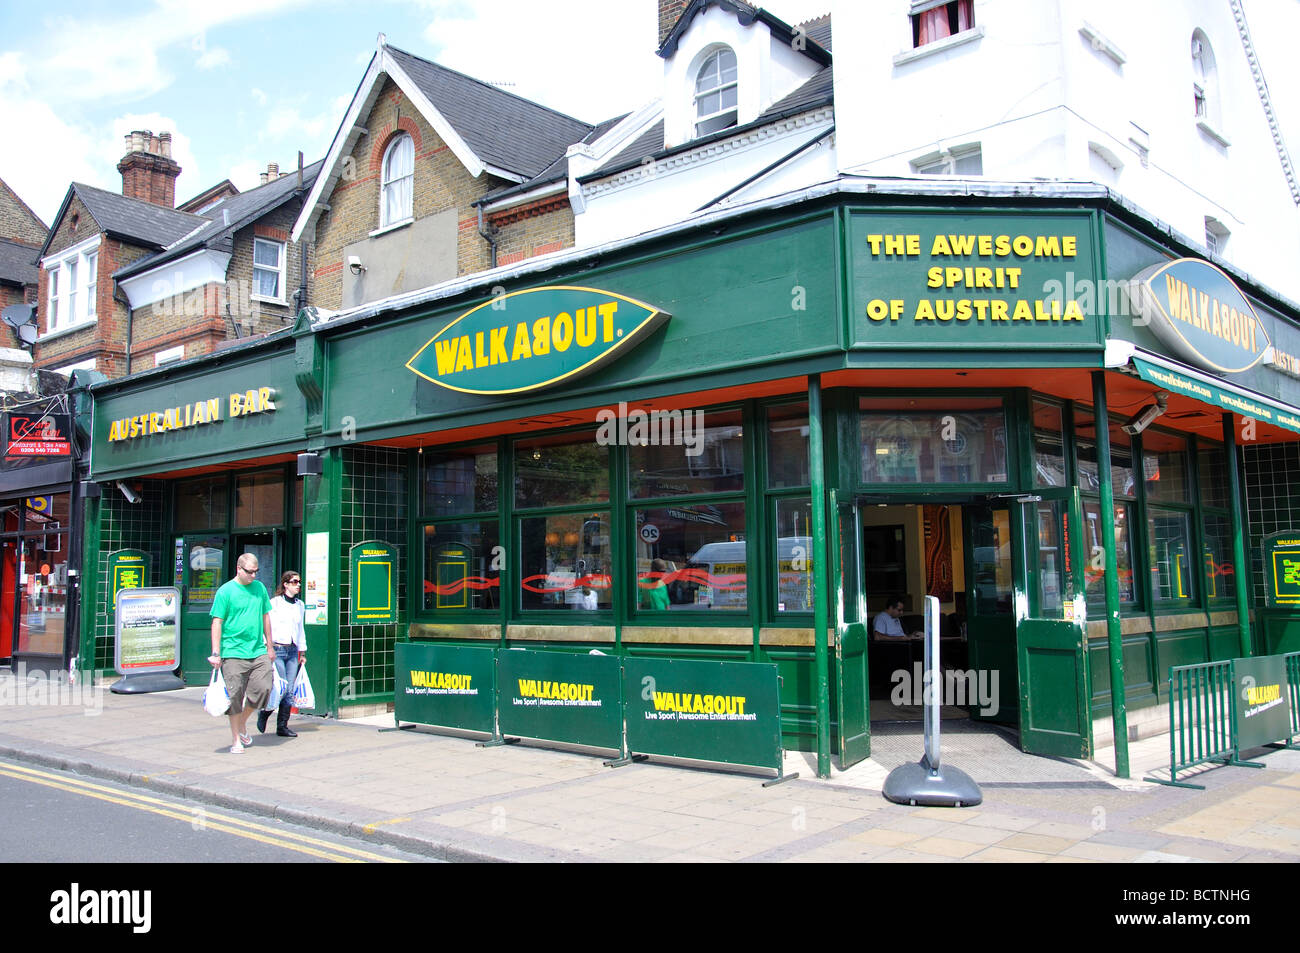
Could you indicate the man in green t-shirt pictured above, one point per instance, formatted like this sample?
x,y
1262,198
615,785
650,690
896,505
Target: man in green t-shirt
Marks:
x,y
242,646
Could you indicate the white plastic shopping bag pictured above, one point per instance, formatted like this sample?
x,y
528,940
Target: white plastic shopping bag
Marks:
x,y
278,687
216,700
303,696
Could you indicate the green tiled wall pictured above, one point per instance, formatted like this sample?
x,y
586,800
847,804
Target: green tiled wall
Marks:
x,y
374,506
124,525
1272,478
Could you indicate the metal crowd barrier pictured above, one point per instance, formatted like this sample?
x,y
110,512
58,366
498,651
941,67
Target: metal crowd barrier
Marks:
x,y
1201,718
1293,692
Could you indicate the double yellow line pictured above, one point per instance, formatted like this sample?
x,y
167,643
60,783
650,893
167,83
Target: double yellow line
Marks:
x,y
206,819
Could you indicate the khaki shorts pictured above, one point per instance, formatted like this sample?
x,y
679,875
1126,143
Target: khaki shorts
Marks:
x,y
248,681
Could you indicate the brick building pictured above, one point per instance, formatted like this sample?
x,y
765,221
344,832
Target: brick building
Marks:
x,y
21,235
408,194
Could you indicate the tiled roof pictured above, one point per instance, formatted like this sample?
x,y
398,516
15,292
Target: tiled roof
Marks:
x,y
817,91
558,170
502,129
222,220
142,222
18,262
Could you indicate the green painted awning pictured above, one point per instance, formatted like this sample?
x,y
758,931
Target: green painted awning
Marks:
x,y
1217,393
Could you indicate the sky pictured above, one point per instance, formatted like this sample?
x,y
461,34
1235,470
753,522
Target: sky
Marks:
x,y
240,83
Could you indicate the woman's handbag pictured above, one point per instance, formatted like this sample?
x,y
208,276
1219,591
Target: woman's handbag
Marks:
x,y
278,687
216,700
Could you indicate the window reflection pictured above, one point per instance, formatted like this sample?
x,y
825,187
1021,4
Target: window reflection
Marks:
x,y
566,562
692,556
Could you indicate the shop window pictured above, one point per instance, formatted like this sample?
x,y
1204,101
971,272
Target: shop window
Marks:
x,y
259,499
933,20
201,504
462,566
459,482
787,446
686,452
794,556
716,93
566,562
1212,470
561,470
948,441
1094,572
1049,447
1164,467
1053,559
1122,478
1220,577
1173,570
692,556
398,186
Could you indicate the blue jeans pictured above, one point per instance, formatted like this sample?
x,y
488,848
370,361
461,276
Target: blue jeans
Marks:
x,y
286,666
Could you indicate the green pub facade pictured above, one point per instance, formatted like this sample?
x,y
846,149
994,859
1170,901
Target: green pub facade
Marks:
x,y
735,440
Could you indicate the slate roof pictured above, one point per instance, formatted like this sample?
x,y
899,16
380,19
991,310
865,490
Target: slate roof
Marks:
x,y
555,172
747,13
137,221
18,263
502,129
219,223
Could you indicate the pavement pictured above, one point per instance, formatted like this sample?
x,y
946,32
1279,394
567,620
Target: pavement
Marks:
x,y
438,794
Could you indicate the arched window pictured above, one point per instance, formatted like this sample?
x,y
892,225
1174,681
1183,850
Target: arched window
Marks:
x,y
715,93
1204,79
398,180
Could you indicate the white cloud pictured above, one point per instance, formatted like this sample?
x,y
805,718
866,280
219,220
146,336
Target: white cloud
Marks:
x,y
259,96
12,71
211,59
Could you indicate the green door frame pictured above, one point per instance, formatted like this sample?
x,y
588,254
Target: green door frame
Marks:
x,y
196,626
853,706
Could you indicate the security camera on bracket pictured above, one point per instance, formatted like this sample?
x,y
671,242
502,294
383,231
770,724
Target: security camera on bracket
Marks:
x,y
1144,417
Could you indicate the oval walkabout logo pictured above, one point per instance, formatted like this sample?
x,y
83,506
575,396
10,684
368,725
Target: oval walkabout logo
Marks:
x,y
1200,313
527,340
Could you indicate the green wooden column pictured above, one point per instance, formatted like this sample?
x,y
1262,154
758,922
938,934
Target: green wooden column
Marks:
x,y
820,617
1114,635
1240,569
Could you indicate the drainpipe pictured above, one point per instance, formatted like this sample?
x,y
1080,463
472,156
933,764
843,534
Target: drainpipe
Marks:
x,y
487,237
130,320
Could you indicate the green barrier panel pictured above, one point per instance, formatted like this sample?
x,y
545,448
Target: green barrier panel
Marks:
x,y
559,696
1263,710
728,712
452,686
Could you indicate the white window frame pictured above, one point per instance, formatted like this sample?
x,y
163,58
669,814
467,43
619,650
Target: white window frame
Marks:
x,y
1216,236
279,271
388,184
944,162
71,303
722,86
169,355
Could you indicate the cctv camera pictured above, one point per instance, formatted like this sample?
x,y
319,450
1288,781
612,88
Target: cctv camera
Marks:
x,y
354,265
1143,418
130,494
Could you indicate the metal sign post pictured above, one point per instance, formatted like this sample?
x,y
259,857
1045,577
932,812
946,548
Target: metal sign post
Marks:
x,y
926,782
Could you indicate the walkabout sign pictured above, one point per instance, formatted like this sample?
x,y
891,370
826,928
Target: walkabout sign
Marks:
x,y
559,696
1263,713
709,711
1282,570
452,686
528,340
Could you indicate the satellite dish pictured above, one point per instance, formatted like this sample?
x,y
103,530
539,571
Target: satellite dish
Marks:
x,y
16,315
27,333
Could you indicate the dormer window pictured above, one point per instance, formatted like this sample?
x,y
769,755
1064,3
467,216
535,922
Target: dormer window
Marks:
x,y
715,93
397,187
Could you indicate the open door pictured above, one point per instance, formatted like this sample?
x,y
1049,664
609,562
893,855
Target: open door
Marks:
x,y
849,615
203,570
993,563
1052,643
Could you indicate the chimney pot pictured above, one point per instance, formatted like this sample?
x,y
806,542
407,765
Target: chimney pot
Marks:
x,y
165,144
263,175
272,171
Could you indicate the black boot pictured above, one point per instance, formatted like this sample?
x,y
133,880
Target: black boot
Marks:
x,y
282,720
262,716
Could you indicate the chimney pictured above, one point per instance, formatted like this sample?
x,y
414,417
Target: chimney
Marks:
x,y
669,13
148,170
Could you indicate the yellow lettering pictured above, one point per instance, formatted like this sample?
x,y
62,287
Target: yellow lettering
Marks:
x,y
498,349
522,350
465,355
445,350
542,336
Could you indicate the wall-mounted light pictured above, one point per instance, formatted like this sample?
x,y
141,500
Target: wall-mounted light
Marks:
x,y
355,266
309,464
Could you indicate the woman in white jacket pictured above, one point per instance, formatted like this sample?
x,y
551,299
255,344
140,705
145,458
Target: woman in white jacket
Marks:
x,y
290,638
